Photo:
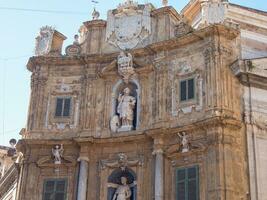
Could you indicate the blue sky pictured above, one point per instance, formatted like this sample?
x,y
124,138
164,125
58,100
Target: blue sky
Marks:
x,y
18,30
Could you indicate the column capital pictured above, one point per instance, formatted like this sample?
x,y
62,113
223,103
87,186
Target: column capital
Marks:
x,y
83,158
157,151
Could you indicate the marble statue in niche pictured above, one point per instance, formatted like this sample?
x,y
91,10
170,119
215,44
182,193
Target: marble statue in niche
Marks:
x,y
123,192
126,109
122,185
57,153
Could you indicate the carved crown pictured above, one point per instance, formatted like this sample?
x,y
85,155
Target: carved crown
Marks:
x,y
127,5
47,29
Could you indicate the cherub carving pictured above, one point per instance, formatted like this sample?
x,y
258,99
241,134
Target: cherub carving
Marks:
x,y
57,153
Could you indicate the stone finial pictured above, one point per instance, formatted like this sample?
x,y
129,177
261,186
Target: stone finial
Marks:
x,y
95,14
12,150
165,3
76,40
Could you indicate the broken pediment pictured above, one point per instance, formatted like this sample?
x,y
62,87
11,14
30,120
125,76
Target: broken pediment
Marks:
x,y
47,161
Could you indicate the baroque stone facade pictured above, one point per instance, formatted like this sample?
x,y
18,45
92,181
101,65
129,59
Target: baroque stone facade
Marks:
x,y
142,96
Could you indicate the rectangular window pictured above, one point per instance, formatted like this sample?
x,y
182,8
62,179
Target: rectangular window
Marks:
x,y
187,89
55,189
187,183
63,106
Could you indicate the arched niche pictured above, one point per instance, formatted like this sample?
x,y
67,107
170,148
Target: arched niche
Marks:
x,y
114,181
118,89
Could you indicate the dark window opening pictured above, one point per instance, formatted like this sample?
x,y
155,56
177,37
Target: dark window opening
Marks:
x,y
187,89
63,106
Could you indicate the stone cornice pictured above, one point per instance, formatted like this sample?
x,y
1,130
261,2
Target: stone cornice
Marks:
x,y
137,136
95,23
260,12
151,49
243,70
166,10
204,124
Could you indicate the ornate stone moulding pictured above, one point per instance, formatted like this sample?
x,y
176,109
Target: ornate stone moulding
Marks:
x,y
46,161
128,25
125,66
44,40
73,50
49,42
122,162
127,6
185,147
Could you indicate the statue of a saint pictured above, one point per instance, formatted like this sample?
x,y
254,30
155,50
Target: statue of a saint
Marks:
x,y
125,108
57,153
123,191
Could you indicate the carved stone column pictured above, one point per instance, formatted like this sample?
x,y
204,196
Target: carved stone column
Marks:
x,y
159,188
83,176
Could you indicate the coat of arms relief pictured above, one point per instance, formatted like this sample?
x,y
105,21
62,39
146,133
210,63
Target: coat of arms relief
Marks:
x,y
128,25
44,41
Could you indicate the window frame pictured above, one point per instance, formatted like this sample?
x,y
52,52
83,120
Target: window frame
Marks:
x,y
54,190
63,106
187,91
186,181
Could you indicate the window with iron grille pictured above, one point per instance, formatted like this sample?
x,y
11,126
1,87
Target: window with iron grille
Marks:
x,y
187,183
63,106
55,189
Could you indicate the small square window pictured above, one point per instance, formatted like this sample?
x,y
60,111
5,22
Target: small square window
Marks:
x,y
187,89
63,106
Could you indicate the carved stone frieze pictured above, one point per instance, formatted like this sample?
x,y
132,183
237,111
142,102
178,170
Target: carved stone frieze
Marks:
x,y
47,161
122,162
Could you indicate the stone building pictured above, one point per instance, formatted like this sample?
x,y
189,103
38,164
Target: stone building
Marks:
x,y
8,174
150,104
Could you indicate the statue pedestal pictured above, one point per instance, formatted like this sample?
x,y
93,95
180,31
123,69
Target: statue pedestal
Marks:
x,y
125,128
